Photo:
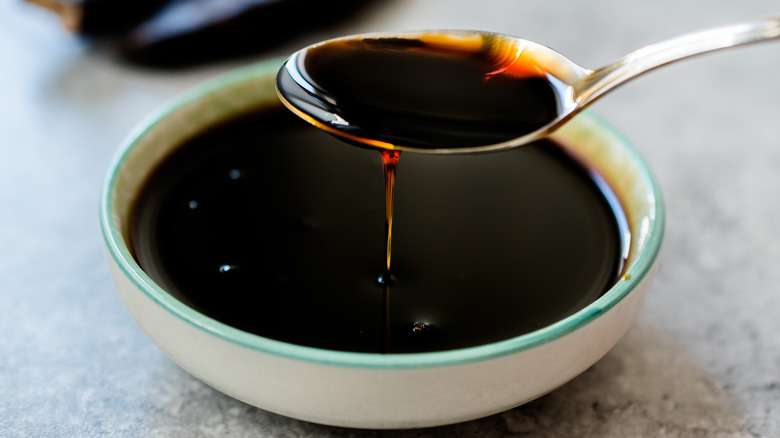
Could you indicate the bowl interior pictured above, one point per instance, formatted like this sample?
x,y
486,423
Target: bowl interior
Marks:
x,y
251,88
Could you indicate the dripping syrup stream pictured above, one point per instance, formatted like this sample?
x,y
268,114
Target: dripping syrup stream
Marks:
x,y
389,167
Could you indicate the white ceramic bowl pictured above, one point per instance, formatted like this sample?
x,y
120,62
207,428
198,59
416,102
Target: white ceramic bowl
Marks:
x,y
372,390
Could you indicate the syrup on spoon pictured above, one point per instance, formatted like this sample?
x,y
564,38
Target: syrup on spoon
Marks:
x,y
451,91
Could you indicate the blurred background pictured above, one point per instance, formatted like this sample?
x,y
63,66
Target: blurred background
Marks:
x,y
703,358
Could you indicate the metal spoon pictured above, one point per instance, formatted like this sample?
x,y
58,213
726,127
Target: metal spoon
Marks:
x,y
574,87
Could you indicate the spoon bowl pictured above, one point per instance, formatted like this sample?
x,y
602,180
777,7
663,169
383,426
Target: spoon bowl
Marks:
x,y
454,91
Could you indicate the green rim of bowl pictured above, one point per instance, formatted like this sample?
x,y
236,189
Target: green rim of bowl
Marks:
x,y
120,253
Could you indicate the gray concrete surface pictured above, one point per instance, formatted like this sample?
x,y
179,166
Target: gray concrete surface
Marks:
x,y
703,359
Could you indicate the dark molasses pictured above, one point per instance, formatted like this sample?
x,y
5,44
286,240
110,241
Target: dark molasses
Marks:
x,y
273,227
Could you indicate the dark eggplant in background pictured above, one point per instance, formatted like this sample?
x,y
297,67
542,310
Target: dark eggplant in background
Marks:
x,y
102,18
183,33
191,30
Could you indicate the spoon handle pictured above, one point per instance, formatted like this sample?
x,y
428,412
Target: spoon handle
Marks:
x,y
600,81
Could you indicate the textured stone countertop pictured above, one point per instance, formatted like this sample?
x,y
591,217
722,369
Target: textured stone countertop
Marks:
x,y
703,358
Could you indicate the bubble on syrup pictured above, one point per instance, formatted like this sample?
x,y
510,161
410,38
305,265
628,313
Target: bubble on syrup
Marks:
x,y
421,328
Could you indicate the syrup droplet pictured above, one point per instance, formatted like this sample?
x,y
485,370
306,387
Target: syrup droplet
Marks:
x,y
385,280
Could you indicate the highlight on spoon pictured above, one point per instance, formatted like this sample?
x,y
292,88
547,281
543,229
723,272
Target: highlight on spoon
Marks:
x,y
430,91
